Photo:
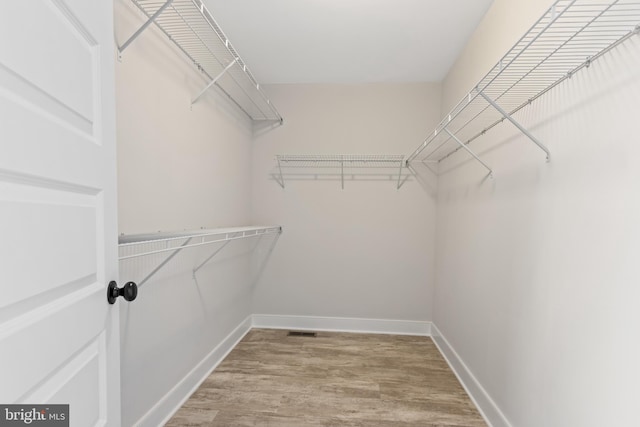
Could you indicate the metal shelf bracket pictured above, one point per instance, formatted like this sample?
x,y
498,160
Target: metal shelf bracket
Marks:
x,y
214,80
239,235
468,150
516,124
163,263
142,28
400,182
281,182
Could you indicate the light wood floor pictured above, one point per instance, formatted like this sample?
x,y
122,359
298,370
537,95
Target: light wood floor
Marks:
x,y
334,379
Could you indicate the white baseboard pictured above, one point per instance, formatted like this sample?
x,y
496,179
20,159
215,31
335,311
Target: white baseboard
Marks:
x,y
487,407
162,411
342,324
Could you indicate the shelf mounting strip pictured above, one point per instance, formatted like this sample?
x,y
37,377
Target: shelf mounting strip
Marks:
x,y
191,27
340,161
569,37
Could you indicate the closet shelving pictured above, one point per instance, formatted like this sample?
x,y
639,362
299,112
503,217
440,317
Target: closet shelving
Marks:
x,y
340,162
191,27
569,37
142,245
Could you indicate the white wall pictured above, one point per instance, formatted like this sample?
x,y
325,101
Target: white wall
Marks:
x,y
178,168
363,252
537,282
176,322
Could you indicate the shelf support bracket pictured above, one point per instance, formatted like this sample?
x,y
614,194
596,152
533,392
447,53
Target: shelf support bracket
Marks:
x,y
262,265
280,169
163,263
144,27
426,162
516,124
195,270
215,79
342,172
400,174
468,150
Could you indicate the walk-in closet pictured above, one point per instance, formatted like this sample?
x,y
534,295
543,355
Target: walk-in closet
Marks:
x,y
295,213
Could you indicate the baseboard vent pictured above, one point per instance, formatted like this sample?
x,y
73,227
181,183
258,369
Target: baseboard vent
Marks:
x,y
302,334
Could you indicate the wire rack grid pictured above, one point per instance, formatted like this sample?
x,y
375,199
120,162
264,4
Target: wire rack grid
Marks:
x,y
570,35
192,28
340,162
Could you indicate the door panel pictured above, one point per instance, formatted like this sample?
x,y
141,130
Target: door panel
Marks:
x,y
41,340
59,339
34,137
41,102
61,55
85,371
46,214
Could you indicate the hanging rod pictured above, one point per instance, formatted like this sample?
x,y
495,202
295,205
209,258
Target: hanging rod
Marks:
x,y
192,28
569,37
341,161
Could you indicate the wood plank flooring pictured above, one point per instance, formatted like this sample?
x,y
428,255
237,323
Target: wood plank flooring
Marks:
x,y
335,379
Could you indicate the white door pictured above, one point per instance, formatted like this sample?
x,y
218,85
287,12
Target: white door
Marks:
x,y
59,340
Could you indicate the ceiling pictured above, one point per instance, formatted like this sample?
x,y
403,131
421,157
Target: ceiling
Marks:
x,y
348,41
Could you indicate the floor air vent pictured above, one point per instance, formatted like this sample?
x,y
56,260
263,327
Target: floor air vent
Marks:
x,y
301,334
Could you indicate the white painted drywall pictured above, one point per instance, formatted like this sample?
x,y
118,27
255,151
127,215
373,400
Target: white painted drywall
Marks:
x,y
537,285
366,251
177,320
178,168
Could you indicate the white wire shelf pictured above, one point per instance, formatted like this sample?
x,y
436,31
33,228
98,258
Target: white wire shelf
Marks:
x,y
341,162
142,245
137,245
569,37
195,32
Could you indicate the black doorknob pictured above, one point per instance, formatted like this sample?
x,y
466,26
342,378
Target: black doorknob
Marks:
x,y
129,291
